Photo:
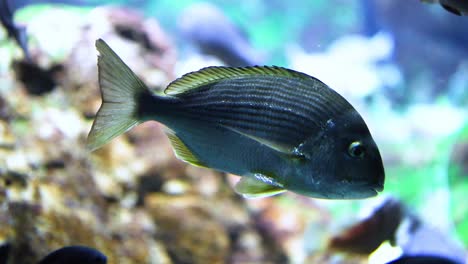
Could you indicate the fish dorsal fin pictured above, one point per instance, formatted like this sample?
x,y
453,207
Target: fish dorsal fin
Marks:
x,y
250,187
213,74
181,150
283,148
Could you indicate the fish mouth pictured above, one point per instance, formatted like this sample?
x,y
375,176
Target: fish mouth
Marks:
x,y
358,190
378,187
362,193
375,186
367,190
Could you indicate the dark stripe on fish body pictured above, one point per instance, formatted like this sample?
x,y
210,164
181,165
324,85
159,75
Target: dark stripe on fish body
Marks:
x,y
253,122
262,102
236,119
320,108
315,110
298,96
254,112
262,87
261,128
282,99
253,108
326,99
264,129
288,86
272,107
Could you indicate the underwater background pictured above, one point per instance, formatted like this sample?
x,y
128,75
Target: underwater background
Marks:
x,y
403,64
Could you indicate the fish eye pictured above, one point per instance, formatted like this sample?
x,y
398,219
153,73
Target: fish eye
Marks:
x,y
356,149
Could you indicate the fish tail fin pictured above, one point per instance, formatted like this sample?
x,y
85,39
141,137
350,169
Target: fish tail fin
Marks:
x,y
120,90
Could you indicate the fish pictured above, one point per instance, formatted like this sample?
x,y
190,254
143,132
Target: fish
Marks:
x,y
418,239
18,32
457,7
37,80
279,129
396,222
205,25
4,253
74,255
422,260
15,31
367,235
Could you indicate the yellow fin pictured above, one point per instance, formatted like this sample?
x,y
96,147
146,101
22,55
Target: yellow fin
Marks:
x,y
213,74
120,88
250,187
181,150
274,145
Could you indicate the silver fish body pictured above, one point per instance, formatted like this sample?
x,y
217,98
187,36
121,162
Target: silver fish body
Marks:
x,y
281,129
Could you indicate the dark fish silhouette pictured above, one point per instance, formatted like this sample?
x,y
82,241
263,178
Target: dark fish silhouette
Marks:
x,y
366,236
457,7
422,260
4,252
18,32
37,80
214,34
280,129
75,255
15,31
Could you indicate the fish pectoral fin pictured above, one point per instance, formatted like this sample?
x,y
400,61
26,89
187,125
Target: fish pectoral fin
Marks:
x,y
181,150
271,144
252,188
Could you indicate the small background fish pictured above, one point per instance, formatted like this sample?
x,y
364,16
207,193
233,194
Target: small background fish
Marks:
x,y
214,34
15,31
459,8
74,255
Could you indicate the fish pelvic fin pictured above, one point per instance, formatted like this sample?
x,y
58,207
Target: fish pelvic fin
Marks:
x,y
120,90
250,187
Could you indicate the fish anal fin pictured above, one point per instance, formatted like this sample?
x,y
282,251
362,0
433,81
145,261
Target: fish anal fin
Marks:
x,y
258,186
181,150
